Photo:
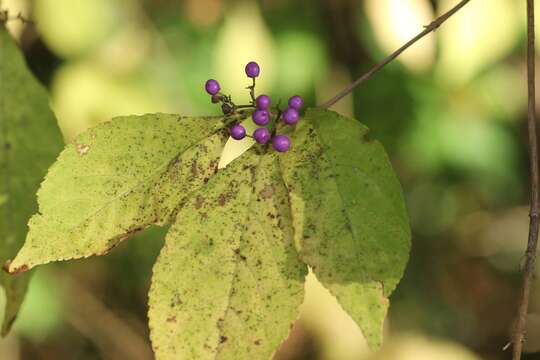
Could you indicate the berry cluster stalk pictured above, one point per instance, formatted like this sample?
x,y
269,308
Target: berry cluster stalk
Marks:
x,y
532,244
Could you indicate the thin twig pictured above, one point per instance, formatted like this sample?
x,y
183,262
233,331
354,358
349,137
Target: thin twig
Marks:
x,y
427,29
532,244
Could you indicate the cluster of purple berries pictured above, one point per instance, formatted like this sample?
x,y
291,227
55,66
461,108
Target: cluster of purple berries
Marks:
x,y
262,116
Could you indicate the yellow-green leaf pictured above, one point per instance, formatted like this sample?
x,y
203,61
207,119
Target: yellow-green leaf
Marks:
x,y
29,143
228,282
116,179
349,216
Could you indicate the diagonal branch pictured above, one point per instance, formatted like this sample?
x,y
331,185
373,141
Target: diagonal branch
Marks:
x,y
532,244
434,25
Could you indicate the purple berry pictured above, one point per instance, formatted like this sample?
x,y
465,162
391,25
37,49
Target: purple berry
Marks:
x,y
212,87
263,102
281,143
261,135
296,102
252,69
261,117
238,132
290,116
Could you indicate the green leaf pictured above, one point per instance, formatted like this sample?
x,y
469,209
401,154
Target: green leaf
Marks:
x,y
349,216
29,143
228,282
116,179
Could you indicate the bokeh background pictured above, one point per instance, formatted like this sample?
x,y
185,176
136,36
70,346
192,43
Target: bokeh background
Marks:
x,y
450,112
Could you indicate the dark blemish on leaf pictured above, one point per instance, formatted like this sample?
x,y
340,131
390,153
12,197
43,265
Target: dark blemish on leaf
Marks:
x,y
171,319
257,342
222,339
7,146
237,252
222,200
199,202
122,237
267,192
82,149
176,301
15,271
194,170
205,180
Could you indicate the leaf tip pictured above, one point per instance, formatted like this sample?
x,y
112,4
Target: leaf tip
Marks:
x,y
14,270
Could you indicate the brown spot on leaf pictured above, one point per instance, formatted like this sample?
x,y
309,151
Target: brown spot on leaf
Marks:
x,y
237,252
194,169
222,200
15,271
171,319
199,202
267,192
257,342
82,149
222,339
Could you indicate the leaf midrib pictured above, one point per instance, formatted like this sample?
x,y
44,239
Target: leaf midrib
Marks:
x,y
157,171
237,260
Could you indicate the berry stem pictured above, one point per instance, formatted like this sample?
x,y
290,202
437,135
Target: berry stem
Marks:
x,y
252,91
273,126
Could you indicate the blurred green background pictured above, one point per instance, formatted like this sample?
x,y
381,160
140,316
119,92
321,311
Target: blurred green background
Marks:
x,y
450,112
